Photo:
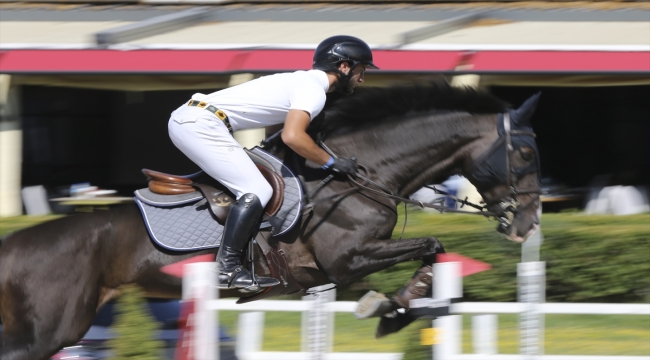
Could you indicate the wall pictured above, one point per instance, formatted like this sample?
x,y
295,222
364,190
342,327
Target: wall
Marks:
x,y
107,137
590,132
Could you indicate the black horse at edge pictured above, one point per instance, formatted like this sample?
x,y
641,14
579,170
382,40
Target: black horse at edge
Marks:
x,y
55,276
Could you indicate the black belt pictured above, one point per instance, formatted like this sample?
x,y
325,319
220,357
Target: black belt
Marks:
x,y
213,109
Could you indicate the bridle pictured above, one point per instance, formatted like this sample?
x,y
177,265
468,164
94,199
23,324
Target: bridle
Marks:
x,y
503,207
487,168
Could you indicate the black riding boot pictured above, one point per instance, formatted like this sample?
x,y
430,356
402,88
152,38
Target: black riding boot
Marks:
x,y
244,216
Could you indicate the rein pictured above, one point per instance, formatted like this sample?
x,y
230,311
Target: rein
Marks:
x,y
387,193
506,204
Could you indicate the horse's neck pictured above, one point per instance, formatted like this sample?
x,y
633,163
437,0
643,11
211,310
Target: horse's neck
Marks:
x,y
409,154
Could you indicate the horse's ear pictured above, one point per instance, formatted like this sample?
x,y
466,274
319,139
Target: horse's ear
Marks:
x,y
526,110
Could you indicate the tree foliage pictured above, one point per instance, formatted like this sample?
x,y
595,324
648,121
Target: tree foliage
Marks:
x,y
135,328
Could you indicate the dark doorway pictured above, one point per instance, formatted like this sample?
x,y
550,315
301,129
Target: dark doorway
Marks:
x,y
590,132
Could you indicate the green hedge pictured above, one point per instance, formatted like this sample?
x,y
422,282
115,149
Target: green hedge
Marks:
x,y
589,258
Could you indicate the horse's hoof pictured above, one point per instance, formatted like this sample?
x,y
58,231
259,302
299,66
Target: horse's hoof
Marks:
x,y
372,304
388,325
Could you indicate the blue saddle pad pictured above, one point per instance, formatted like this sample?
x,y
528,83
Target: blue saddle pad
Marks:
x,y
185,223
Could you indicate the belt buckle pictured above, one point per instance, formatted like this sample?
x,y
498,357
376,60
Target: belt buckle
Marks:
x,y
197,103
221,115
218,112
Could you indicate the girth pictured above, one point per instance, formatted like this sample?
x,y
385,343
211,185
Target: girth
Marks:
x,y
279,268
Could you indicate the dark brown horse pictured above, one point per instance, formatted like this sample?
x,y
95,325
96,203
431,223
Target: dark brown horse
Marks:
x,y
55,276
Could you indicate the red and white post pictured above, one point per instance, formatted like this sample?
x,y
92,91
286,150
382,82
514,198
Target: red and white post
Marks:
x,y
199,281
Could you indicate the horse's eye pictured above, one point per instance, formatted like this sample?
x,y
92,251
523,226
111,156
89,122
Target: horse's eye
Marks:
x,y
528,154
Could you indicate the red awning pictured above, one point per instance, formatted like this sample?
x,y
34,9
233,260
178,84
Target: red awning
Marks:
x,y
226,61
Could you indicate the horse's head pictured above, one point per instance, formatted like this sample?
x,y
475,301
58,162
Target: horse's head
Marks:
x,y
507,173
418,134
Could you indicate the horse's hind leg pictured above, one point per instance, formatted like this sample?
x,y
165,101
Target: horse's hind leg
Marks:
x,y
38,322
19,347
37,334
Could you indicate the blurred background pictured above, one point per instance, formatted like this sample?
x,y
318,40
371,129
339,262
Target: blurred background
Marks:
x,y
86,89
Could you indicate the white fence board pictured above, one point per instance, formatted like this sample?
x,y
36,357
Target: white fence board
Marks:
x,y
279,355
450,326
595,309
550,308
260,305
488,308
543,357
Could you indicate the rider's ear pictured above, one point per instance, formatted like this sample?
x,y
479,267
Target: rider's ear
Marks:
x,y
344,67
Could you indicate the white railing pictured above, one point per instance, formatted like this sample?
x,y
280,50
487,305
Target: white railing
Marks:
x,y
485,327
448,346
317,329
318,321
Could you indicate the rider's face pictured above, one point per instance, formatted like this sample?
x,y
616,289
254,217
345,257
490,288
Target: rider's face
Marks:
x,y
357,75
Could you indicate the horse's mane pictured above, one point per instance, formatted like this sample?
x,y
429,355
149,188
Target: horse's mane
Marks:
x,y
377,104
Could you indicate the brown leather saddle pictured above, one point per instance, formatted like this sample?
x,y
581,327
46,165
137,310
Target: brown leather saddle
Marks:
x,y
219,198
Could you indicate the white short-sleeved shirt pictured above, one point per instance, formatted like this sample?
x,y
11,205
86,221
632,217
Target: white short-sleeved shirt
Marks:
x,y
267,100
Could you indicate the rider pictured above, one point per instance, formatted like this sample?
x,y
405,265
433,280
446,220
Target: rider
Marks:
x,y
202,129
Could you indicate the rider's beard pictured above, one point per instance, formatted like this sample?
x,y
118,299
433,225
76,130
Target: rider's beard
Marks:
x,y
343,86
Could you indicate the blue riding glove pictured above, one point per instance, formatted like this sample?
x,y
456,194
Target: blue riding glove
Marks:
x,y
342,165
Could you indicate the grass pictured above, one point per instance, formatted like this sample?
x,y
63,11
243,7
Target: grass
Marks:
x,y
579,335
565,334
11,224
598,334
282,333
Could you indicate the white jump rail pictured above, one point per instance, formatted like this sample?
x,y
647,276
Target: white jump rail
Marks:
x,y
449,345
551,308
318,323
251,327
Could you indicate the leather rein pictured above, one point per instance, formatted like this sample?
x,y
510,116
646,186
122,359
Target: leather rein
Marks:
x,y
503,207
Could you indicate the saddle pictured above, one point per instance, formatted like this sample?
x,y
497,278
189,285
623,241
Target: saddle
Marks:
x,y
219,198
176,212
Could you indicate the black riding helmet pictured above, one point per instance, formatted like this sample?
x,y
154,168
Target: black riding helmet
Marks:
x,y
334,50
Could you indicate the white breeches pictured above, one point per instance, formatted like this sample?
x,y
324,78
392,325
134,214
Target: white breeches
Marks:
x,y
203,138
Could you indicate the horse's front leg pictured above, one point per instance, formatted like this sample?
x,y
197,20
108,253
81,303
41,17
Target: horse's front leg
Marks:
x,y
375,255
378,255
376,304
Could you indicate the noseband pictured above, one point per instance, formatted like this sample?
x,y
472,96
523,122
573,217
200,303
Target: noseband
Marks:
x,y
495,165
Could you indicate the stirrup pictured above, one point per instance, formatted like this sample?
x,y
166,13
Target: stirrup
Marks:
x,y
241,278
